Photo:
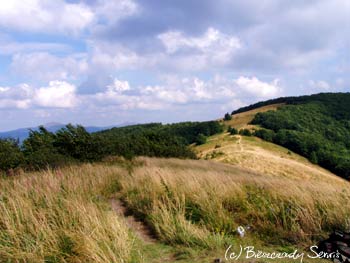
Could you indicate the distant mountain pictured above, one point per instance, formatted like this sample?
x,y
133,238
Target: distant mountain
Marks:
x,y
23,133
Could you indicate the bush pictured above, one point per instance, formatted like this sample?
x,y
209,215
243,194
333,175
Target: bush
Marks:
x,y
201,139
245,132
39,150
267,135
228,117
10,154
232,130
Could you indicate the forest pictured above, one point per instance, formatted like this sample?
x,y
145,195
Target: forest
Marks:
x,y
74,144
316,126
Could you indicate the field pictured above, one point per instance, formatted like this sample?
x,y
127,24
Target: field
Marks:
x,y
162,210
154,210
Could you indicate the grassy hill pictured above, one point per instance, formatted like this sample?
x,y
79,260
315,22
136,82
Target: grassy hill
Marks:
x,y
190,208
256,154
155,210
316,126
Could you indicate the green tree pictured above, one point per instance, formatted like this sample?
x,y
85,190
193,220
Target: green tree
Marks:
x,y
39,151
245,132
76,142
232,130
228,117
313,158
201,139
10,154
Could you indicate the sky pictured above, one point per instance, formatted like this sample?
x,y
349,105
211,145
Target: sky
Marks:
x,y
106,62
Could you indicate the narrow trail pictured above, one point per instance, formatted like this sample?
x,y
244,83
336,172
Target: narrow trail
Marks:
x,y
141,230
239,142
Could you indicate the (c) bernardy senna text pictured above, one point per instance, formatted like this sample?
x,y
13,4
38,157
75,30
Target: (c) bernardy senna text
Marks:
x,y
250,252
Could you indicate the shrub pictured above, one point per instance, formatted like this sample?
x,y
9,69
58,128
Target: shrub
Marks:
x,y
201,139
10,154
232,130
228,117
245,132
267,135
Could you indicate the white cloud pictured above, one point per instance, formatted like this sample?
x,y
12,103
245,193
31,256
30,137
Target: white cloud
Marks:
x,y
258,88
43,66
182,53
110,56
119,86
58,94
184,91
113,11
16,97
212,48
45,16
9,47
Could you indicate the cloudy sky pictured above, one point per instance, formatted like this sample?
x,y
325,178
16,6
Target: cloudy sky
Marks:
x,y
104,62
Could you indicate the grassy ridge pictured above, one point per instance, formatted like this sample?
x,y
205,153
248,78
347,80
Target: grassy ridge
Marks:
x,y
202,203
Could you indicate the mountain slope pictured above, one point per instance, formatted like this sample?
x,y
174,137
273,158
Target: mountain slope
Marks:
x,y
317,127
269,158
261,157
257,155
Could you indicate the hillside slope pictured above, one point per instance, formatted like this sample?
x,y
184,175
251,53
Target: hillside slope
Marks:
x,y
262,157
258,155
317,127
193,208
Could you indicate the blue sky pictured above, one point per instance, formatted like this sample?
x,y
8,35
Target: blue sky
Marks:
x,y
100,62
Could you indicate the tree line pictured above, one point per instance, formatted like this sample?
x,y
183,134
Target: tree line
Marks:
x,y
73,144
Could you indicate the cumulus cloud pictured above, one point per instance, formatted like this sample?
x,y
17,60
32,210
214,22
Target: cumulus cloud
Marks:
x,y
167,56
113,11
183,91
118,86
213,48
58,94
258,88
45,16
44,66
212,41
178,52
16,97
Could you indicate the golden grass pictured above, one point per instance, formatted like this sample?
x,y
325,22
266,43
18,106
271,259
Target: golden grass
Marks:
x,y
202,202
59,216
63,216
241,120
261,157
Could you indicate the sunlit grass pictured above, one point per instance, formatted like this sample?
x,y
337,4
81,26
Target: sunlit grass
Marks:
x,y
57,216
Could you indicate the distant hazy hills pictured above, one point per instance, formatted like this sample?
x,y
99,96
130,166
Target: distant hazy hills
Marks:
x,y
23,133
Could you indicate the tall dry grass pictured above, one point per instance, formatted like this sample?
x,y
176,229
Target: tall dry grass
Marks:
x,y
59,216
201,203
63,216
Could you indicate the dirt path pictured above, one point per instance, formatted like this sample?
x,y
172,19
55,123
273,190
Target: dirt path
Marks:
x,y
141,230
240,143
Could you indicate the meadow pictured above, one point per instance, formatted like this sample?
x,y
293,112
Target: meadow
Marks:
x,y
192,209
